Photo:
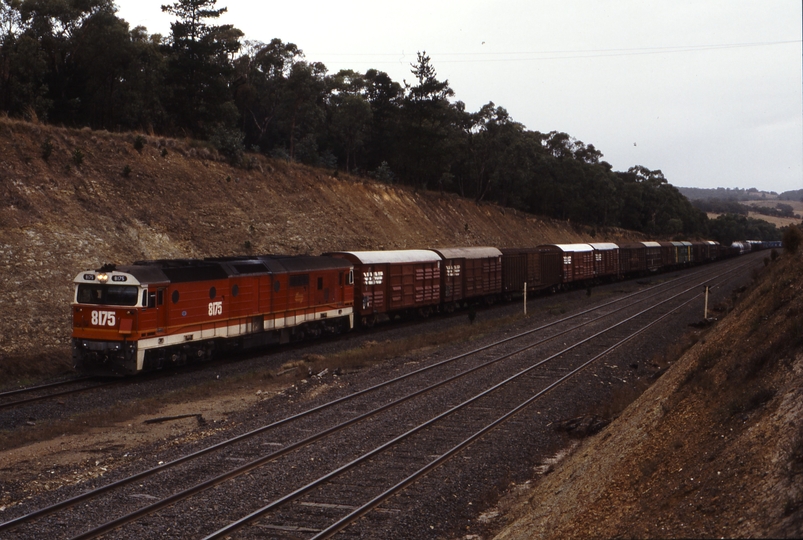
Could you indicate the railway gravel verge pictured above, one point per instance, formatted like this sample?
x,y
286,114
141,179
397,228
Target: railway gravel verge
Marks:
x,y
714,449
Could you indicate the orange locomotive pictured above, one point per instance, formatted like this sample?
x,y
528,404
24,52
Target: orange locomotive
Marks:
x,y
152,314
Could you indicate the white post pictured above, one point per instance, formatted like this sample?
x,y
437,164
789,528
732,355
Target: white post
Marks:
x,y
525,298
706,304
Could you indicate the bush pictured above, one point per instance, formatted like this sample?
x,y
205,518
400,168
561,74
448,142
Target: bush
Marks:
x,y
383,173
139,143
47,149
77,156
228,142
126,171
792,239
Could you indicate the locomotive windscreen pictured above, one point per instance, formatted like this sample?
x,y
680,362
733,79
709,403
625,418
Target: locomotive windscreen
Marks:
x,y
110,295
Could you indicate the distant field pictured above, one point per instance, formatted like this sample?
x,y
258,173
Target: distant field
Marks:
x,y
778,221
797,205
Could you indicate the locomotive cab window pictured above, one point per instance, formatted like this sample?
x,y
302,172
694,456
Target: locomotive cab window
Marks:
x,y
350,280
110,295
320,283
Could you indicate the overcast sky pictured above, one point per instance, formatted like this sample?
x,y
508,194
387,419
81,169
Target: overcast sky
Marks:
x,y
708,91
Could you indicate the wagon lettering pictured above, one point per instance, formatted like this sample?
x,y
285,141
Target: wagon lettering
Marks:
x,y
104,318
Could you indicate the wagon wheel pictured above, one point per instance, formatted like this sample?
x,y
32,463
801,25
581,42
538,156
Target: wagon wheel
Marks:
x,y
449,307
368,321
424,312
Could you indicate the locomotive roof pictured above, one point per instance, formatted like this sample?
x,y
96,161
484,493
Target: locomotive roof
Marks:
x,y
145,274
306,263
468,252
396,256
185,270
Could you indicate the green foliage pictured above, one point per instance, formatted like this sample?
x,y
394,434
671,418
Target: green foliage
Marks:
x,y
77,156
719,206
228,142
383,173
729,228
126,171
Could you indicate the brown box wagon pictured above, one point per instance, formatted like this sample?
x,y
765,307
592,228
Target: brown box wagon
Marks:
x,y
577,260
539,270
469,273
388,283
606,259
632,258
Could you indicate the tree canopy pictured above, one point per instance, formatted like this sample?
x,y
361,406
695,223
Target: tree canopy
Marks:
x,y
75,62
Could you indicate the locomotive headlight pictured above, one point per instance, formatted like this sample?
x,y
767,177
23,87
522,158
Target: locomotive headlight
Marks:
x,y
103,278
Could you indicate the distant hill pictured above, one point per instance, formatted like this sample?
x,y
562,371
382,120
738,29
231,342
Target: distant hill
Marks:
x,y
794,195
725,194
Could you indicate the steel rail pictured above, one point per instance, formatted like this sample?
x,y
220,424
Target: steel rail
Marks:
x,y
41,387
376,451
19,402
379,499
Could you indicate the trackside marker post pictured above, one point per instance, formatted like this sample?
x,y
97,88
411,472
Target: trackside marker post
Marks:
x,y
525,298
705,313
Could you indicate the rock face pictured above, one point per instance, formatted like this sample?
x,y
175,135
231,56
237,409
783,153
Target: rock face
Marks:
x,y
72,200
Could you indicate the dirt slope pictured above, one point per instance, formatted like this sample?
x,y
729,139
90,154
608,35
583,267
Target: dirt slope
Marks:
x,y
71,200
713,449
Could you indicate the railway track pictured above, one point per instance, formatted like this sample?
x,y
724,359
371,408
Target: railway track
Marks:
x,y
32,394
319,438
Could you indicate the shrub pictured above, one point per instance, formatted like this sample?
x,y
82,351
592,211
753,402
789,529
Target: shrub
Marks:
x,y
228,142
126,171
77,156
383,173
792,239
139,143
47,149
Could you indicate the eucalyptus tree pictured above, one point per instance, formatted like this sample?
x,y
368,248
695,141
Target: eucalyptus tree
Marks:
x,y
200,67
428,127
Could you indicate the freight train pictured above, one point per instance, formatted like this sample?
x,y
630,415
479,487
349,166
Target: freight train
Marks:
x,y
159,313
